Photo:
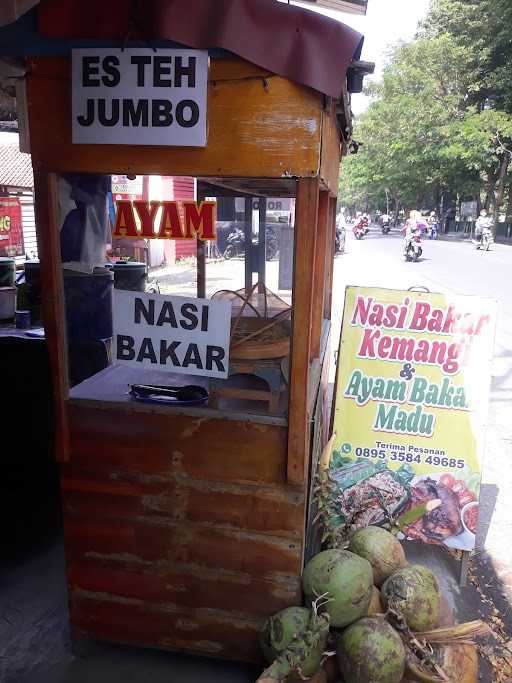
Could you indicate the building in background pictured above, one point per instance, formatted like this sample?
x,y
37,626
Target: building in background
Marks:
x,y
17,223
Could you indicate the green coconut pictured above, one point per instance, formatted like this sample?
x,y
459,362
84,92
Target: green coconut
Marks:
x,y
371,651
346,578
279,631
294,641
414,593
381,549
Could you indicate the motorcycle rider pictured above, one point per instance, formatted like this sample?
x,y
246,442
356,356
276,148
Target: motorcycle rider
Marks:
x,y
385,221
433,225
413,226
482,222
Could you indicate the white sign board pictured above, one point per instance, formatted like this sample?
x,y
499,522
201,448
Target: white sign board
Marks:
x,y
139,97
468,209
121,184
187,336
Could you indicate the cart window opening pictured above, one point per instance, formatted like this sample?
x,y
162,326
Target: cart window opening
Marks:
x,y
169,317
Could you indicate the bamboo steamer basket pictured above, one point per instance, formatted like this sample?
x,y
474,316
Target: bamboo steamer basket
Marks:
x,y
259,337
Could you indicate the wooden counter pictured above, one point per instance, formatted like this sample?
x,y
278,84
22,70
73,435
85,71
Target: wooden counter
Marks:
x,y
180,528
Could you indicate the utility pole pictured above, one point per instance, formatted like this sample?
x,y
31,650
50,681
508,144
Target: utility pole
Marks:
x,y
387,200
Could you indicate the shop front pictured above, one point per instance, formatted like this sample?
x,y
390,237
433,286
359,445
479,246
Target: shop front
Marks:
x,y
186,461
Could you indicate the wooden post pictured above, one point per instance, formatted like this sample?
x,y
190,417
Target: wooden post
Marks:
x,y
54,316
329,257
322,232
201,269
262,242
306,212
200,259
248,245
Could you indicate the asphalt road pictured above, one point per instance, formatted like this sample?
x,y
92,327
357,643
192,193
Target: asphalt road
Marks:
x,y
458,268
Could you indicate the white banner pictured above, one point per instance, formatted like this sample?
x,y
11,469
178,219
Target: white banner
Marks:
x,y
188,336
139,97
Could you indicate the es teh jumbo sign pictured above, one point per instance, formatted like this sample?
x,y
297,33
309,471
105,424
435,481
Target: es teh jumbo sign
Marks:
x,y
139,96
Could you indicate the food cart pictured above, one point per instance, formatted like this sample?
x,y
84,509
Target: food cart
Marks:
x,y
185,527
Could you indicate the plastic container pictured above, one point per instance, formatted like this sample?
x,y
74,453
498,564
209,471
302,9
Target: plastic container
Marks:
x,y
33,274
7,272
131,275
22,320
88,300
7,302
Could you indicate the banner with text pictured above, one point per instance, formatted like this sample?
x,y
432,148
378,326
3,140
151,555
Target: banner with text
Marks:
x,y
412,391
11,229
139,96
173,333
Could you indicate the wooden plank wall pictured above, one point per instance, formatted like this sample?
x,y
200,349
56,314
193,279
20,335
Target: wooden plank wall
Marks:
x,y
259,125
174,537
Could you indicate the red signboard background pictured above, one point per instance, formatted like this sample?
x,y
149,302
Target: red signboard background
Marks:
x,y
11,231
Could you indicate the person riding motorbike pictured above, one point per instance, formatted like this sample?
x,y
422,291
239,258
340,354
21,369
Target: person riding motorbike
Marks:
x,y
412,229
361,227
483,228
482,222
433,225
385,221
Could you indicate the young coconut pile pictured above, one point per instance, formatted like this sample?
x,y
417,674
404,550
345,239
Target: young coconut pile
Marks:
x,y
378,614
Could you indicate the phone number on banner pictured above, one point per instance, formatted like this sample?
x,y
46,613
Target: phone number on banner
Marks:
x,y
387,453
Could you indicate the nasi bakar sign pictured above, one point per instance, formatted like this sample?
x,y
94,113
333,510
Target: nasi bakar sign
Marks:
x,y
139,96
411,402
171,333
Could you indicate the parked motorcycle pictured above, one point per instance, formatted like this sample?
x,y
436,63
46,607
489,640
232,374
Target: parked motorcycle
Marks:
x,y
340,240
413,250
485,241
236,244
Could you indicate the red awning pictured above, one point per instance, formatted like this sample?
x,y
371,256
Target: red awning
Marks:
x,y
298,44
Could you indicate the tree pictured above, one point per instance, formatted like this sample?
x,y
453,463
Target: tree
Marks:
x,y
440,120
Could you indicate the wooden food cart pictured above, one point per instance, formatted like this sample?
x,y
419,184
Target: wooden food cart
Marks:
x,y
186,527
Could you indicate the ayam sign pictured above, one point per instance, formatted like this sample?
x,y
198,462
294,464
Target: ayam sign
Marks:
x,y
177,334
175,220
139,96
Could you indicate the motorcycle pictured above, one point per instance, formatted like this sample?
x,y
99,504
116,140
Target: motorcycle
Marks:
x,y
386,227
339,241
361,229
236,244
413,250
486,240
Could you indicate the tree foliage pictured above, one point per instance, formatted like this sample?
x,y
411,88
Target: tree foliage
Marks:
x,y
440,119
